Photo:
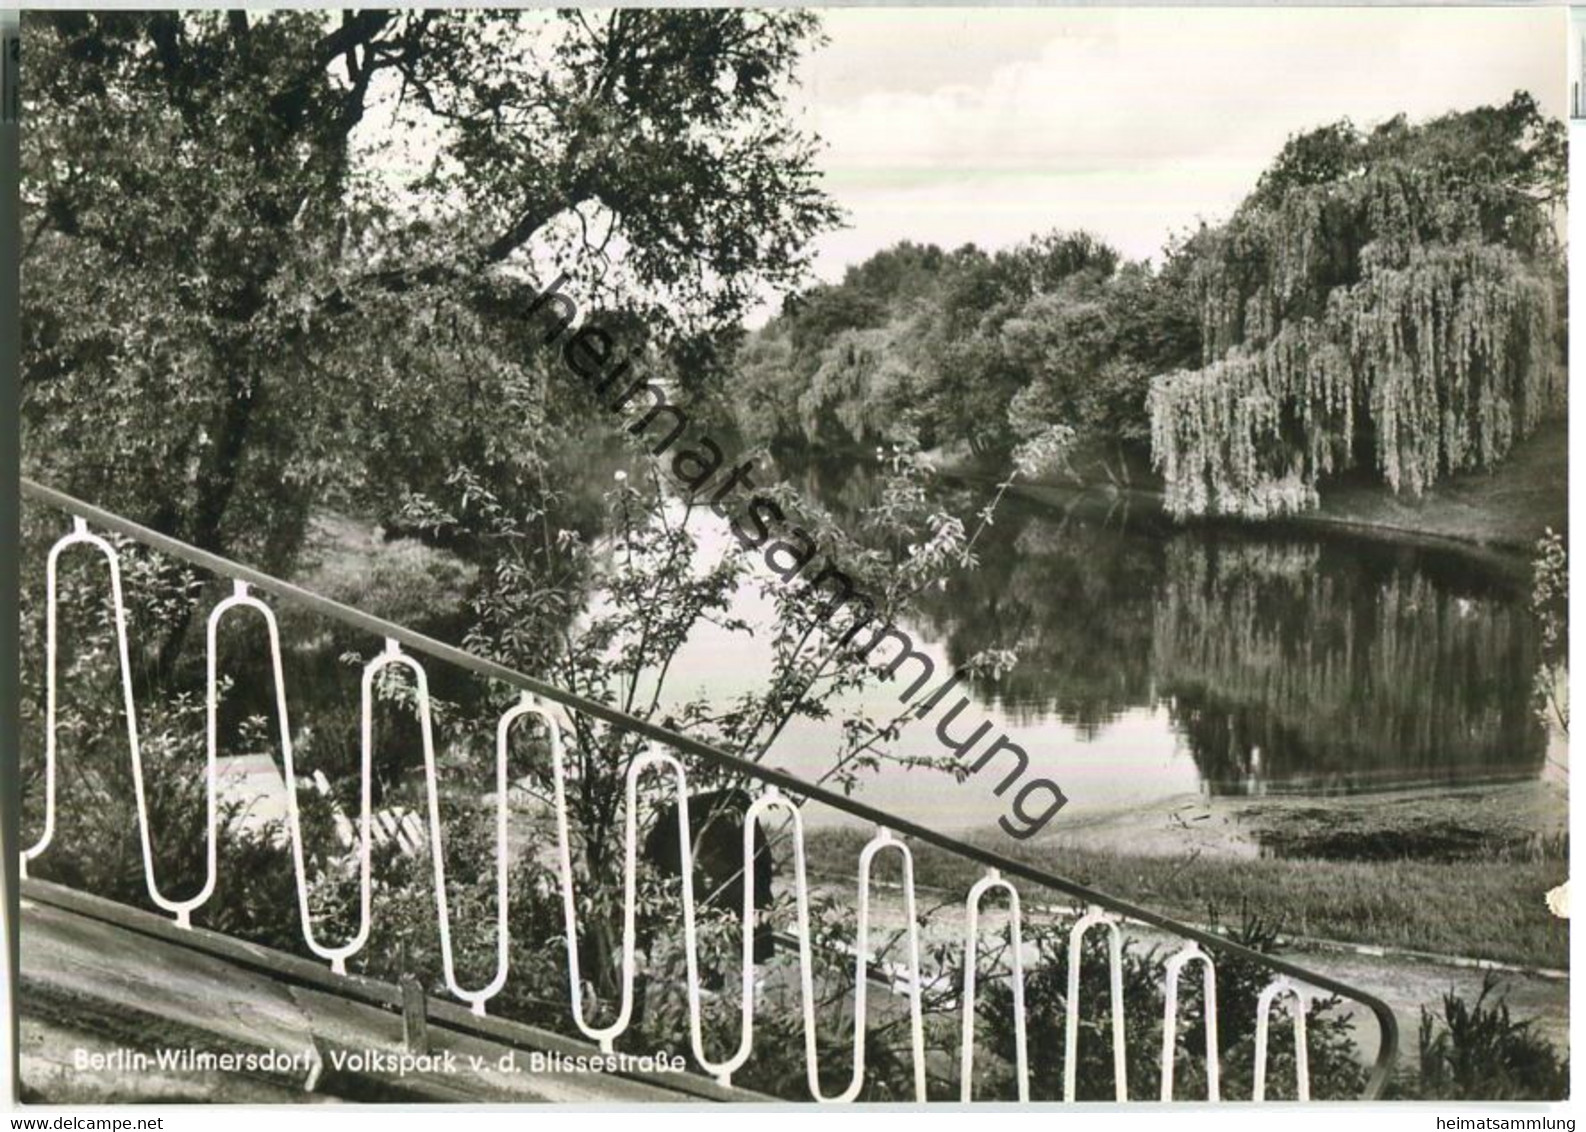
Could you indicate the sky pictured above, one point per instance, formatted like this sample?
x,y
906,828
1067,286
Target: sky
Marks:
x,y
953,126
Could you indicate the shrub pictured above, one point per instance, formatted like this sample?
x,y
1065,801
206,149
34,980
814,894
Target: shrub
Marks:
x,y
1477,1051
1335,1070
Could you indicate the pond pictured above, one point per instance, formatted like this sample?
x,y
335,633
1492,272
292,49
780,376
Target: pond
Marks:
x,y
1157,661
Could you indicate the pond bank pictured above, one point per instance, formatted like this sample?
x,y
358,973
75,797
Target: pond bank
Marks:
x,y
1498,514
1199,858
1458,872
1484,822
1407,981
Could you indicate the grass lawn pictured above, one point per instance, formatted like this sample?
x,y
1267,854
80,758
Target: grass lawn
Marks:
x,y
1485,910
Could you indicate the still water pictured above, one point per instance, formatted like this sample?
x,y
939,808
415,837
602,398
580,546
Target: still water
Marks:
x,y
1158,661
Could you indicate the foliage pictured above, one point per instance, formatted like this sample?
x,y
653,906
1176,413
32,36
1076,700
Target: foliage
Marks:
x,y
1479,905
228,288
967,347
398,579
777,1065
606,616
1476,1051
1389,299
1335,1071
1386,299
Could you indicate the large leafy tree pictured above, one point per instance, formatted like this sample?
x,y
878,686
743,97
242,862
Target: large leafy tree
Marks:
x,y
1388,299
272,256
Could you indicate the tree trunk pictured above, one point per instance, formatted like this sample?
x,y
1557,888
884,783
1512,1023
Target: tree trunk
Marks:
x,y
216,486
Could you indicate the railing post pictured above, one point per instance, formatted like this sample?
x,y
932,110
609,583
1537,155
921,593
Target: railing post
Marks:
x,y
415,1006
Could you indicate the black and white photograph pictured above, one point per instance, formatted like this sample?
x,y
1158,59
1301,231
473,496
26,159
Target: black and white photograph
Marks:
x,y
888,556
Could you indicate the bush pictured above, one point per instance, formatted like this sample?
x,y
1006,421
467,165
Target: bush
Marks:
x,y
1335,1070
1476,1051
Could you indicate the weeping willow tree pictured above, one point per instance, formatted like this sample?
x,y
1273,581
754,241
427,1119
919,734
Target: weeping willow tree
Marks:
x,y
1388,300
854,394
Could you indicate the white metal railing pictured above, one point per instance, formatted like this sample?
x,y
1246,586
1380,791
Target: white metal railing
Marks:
x,y
1101,910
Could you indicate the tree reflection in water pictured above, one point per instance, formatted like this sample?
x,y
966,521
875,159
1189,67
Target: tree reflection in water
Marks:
x,y
1286,664
1323,667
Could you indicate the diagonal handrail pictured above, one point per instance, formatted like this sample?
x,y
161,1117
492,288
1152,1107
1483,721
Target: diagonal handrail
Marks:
x,y
1388,1046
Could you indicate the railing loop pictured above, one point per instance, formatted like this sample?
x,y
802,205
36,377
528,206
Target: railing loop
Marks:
x,y
966,1069
1302,1065
394,656
1093,916
883,840
604,1036
685,853
242,597
80,535
723,1070
1174,966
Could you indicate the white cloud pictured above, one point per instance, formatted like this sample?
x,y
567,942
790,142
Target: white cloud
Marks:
x,y
954,126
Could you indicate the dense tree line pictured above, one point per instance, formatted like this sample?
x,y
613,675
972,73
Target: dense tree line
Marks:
x,y
1387,298
972,348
